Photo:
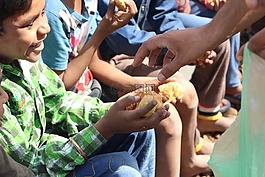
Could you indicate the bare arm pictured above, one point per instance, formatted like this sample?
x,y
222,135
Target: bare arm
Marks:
x,y
232,18
189,44
110,22
111,76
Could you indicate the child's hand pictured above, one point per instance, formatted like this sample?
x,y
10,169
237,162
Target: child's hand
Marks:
x,y
120,120
206,59
113,21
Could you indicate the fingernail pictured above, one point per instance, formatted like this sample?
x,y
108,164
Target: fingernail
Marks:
x,y
161,77
137,97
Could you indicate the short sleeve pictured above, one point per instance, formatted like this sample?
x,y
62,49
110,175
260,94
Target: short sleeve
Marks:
x,y
56,45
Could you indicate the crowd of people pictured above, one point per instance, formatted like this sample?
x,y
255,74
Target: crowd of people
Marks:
x,y
71,68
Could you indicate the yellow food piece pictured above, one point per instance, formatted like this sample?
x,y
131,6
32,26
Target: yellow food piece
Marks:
x,y
121,5
171,90
147,97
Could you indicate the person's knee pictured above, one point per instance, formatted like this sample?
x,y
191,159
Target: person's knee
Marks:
x,y
116,164
122,164
171,127
190,98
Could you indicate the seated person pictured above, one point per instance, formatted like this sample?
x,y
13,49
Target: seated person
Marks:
x,y
58,55
233,82
52,131
156,17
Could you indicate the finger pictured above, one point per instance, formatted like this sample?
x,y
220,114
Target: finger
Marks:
x,y
208,61
141,112
257,42
168,70
216,5
126,101
239,54
142,52
153,56
155,119
145,50
252,4
111,7
168,57
131,6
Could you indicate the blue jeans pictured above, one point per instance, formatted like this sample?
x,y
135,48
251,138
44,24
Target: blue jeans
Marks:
x,y
192,20
122,154
116,164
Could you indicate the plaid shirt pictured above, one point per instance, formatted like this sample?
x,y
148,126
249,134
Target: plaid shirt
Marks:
x,y
40,116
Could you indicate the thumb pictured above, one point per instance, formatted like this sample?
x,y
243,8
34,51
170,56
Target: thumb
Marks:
x,y
126,101
167,71
111,7
252,4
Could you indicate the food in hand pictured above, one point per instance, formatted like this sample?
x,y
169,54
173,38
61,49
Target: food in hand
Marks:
x,y
121,5
203,57
171,90
147,97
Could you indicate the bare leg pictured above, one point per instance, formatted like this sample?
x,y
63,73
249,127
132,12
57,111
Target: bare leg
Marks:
x,y
191,163
202,146
168,146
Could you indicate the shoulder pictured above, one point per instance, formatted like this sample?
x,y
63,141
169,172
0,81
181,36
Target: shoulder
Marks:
x,y
54,7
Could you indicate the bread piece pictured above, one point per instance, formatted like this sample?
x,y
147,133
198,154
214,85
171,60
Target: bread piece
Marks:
x,y
121,5
147,97
171,90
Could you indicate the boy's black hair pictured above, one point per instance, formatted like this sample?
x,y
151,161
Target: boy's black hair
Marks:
x,y
10,7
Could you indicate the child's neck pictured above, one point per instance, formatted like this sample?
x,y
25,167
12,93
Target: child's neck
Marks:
x,y
76,5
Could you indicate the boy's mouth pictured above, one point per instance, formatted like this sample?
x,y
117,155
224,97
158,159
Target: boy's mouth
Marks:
x,y
38,46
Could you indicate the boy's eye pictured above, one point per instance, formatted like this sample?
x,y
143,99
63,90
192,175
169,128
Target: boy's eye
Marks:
x,y
29,26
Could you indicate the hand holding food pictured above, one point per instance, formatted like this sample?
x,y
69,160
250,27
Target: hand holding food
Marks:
x,y
147,97
171,91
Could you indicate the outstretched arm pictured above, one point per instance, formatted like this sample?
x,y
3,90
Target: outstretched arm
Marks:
x,y
184,46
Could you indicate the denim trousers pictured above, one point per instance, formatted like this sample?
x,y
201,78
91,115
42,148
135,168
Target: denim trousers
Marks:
x,y
123,155
201,16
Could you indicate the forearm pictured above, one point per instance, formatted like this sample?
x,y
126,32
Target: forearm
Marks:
x,y
80,63
229,21
111,76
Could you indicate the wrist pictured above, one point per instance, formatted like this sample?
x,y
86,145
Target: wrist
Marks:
x,y
104,129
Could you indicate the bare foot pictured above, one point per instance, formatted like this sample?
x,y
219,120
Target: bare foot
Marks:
x,y
202,146
219,125
206,149
195,166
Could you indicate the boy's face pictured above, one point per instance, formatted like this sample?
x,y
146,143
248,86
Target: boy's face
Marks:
x,y
24,33
3,97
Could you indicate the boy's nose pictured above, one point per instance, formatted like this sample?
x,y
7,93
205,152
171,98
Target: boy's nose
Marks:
x,y
45,28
